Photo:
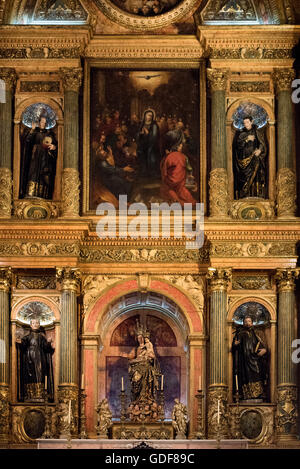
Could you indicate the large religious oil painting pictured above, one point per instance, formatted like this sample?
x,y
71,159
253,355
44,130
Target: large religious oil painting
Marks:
x,y
144,136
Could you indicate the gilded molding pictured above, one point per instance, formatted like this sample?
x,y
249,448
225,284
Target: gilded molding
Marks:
x,y
286,192
218,194
8,75
5,279
69,278
283,78
5,193
219,279
286,279
71,79
70,193
217,79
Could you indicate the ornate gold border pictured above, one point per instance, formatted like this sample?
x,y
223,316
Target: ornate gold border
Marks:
x,y
141,23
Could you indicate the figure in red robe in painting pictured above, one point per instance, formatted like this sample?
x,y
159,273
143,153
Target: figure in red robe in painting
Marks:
x,y
174,171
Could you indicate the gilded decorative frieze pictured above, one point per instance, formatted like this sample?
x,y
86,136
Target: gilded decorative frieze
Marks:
x,y
119,254
251,53
36,283
39,86
40,53
5,192
254,249
38,248
286,192
258,282
250,87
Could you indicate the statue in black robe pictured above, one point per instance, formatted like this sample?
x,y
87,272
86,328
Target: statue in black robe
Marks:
x,y
38,164
250,151
249,362
148,146
35,371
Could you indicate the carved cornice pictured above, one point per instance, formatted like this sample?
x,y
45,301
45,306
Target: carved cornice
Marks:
x,y
283,78
8,75
273,42
72,80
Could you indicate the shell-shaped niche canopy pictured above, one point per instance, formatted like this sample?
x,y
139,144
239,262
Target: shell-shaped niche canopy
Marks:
x,y
247,109
258,313
36,310
35,111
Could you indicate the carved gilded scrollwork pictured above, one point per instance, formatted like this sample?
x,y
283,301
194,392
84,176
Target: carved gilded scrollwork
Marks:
x,y
218,409
70,193
4,413
191,284
286,193
217,79
287,412
71,78
5,193
258,282
218,194
93,285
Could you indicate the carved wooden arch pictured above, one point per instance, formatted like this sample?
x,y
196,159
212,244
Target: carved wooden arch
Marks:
x,y
41,299
252,99
93,318
256,299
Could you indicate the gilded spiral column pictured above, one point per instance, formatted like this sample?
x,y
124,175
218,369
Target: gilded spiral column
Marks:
x,y
8,81
71,78
218,182
69,279
286,177
5,283
287,408
218,386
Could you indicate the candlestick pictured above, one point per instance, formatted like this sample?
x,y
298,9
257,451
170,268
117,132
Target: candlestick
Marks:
x,y
82,381
200,383
122,384
236,383
218,411
162,383
46,383
69,416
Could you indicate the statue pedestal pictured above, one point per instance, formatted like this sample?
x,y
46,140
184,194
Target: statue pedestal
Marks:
x,y
142,431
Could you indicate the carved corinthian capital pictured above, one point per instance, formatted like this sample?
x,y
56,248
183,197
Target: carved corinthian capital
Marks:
x,y
283,78
70,193
71,78
5,279
286,193
219,278
217,79
69,277
5,192
218,193
8,75
286,279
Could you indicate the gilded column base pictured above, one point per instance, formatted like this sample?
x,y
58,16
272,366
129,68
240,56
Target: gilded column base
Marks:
x,y
4,414
5,193
70,193
67,414
286,413
218,194
286,193
217,422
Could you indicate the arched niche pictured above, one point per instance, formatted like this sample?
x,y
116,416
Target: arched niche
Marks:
x,y
265,311
270,132
45,309
18,126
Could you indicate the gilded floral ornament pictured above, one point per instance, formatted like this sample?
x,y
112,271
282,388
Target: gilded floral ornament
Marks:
x,y
5,192
218,194
286,193
70,193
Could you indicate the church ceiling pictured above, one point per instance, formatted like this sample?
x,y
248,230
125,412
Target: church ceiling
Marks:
x,y
125,12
